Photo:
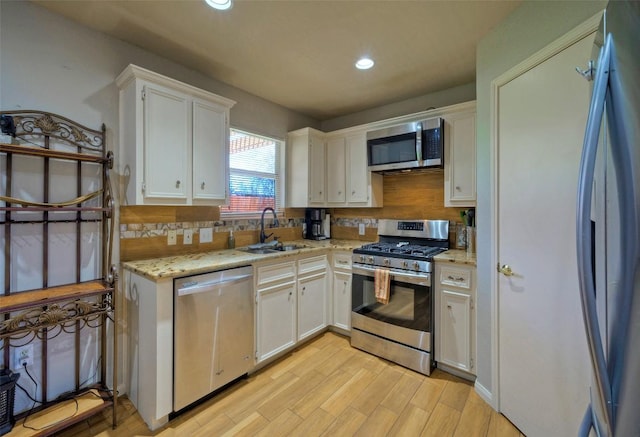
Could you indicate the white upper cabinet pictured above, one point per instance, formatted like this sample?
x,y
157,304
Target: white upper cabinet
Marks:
x,y
460,159
173,141
166,128
210,134
330,170
306,168
336,170
363,187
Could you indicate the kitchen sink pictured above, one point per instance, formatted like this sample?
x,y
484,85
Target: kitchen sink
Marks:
x,y
271,248
259,251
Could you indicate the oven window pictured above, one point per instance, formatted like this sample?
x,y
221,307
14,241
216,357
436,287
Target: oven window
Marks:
x,y
400,148
409,305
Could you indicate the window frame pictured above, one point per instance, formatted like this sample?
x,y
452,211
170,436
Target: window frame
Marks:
x,y
280,166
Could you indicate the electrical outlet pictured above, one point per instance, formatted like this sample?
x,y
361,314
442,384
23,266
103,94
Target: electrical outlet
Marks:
x,y
23,355
206,235
361,229
187,236
171,237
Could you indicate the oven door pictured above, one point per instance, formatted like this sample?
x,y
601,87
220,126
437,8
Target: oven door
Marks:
x,y
407,318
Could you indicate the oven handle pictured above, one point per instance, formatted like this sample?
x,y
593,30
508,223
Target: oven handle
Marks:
x,y
423,279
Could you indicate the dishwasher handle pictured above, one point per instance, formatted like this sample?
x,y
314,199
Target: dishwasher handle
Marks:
x,y
210,285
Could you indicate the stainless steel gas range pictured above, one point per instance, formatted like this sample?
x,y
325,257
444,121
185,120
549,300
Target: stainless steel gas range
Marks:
x,y
400,330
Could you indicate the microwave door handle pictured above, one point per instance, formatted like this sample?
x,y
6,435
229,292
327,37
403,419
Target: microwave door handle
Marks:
x,y
583,234
419,143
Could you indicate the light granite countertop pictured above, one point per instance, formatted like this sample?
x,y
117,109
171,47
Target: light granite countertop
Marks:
x,y
456,256
184,265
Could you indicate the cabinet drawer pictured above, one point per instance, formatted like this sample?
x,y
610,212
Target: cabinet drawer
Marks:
x,y
275,273
342,261
312,264
456,277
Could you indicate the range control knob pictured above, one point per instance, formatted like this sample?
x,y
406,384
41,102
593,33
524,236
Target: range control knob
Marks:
x,y
416,265
386,262
363,258
405,265
371,259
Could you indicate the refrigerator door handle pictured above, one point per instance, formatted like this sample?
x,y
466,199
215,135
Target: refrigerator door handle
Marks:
x,y
583,235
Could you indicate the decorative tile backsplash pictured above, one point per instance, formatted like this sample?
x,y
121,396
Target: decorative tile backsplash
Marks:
x,y
354,222
147,230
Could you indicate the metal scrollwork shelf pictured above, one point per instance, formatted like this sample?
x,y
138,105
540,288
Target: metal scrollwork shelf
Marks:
x,y
47,312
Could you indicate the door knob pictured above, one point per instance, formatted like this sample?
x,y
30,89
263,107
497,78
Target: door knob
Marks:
x,y
505,270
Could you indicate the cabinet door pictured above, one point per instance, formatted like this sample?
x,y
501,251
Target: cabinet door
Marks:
x,y
342,300
312,304
460,162
358,171
455,329
276,319
316,170
336,170
210,151
167,143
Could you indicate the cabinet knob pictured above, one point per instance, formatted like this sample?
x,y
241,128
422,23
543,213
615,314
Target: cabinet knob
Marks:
x,y
458,187
202,186
353,192
455,279
178,184
449,306
339,193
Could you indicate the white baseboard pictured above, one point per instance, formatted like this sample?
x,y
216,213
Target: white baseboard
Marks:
x,y
484,394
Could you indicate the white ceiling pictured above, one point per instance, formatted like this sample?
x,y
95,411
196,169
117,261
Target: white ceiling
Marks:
x,y
300,54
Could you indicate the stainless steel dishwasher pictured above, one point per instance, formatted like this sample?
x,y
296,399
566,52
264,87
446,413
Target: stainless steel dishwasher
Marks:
x,y
213,332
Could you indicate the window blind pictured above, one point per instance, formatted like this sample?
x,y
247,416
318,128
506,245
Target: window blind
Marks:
x,y
254,174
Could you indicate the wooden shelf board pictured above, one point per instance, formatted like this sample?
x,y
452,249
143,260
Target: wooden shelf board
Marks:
x,y
28,299
60,415
48,153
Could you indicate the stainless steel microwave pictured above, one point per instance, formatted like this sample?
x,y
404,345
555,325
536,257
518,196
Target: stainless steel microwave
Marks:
x,y
410,145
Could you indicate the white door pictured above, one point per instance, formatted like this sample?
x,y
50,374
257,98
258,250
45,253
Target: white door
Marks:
x,y
544,374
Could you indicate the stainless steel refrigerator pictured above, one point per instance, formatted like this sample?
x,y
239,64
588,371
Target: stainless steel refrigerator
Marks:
x,y
608,226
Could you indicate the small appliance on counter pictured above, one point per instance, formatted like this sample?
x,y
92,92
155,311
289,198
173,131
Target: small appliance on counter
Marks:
x,y
314,223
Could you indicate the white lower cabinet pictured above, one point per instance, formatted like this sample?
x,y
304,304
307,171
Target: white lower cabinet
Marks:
x,y
312,304
276,328
292,303
313,295
455,317
275,308
342,290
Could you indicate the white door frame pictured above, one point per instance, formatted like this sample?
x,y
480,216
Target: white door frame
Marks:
x,y
571,37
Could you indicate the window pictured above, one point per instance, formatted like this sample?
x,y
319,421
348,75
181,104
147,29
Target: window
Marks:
x,y
254,174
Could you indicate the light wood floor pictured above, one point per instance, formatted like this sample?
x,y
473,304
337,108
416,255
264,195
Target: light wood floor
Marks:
x,y
326,388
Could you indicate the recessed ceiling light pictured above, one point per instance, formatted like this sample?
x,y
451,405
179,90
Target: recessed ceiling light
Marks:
x,y
364,63
220,4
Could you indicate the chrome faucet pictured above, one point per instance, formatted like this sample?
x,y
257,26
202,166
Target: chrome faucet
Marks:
x,y
275,223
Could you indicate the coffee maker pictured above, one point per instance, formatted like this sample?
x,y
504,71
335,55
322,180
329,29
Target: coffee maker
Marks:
x,y
313,219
